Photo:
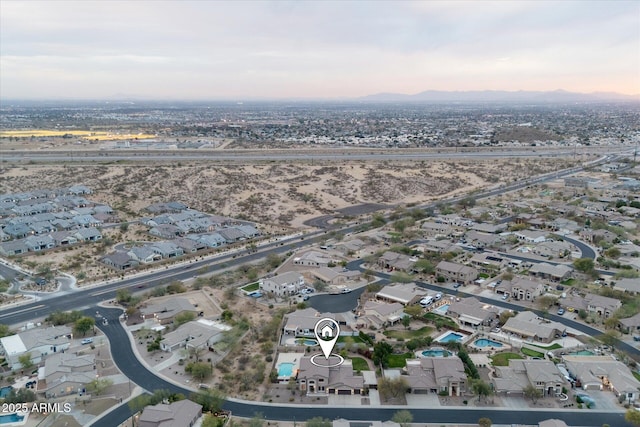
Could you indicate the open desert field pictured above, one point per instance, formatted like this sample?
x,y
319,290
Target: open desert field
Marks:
x,y
283,193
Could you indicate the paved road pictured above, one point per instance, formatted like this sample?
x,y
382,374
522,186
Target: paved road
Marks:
x,y
128,363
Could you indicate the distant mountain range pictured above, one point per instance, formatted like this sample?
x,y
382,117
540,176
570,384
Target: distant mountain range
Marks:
x,y
501,96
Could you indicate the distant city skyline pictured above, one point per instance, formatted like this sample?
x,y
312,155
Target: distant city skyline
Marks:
x,y
197,50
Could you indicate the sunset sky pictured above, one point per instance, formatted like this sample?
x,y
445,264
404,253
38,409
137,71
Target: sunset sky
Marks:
x,y
313,49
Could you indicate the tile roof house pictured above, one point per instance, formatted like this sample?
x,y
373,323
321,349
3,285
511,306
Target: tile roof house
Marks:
x,y
436,375
471,311
528,325
312,259
542,374
288,283
403,293
456,272
522,289
119,261
338,379
90,234
301,322
183,413
630,324
67,373
379,314
593,303
335,276
166,311
395,261
603,373
553,272
38,342
195,334
144,254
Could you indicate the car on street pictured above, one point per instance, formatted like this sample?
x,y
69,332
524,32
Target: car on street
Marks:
x,y
346,290
456,285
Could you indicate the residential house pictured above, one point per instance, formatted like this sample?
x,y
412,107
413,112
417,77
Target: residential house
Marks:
x,y
312,259
166,311
470,311
167,249
379,314
554,272
86,221
630,325
90,234
120,261
488,262
528,326
522,289
631,286
284,284
531,236
521,373
403,293
144,254
483,240
335,276
67,373
248,230
436,375
437,229
597,236
301,322
166,231
39,243
485,227
188,245
183,413
553,249
336,378
395,261
231,234
12,248
63,238
197,334
38,342
350,246
603,373
212,240
592,303
438,247
456,272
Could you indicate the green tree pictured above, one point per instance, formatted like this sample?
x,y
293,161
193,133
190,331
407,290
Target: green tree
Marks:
x,y
532,393
413,310
381,352
84,325
4,331
545,302
584,265
613,253
392,388
211,421
424,266
485,422
319,286
406,321
273,260
403,417
199,370
25,361
176,287
632,416
182,318
99,385
211,400
123,296
481,388
319,422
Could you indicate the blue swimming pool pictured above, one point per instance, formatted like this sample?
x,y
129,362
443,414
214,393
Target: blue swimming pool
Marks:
x,y
285,369
11,418
436,352
583,353
4,391
442,309
483,342
451,336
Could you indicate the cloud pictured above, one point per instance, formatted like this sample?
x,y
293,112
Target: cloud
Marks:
x,y
311,49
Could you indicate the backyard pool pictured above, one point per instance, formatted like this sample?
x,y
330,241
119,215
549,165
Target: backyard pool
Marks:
x,y
307,342
483,342
436,352
583,353
450,336
285,369
11,418
4,391
442,309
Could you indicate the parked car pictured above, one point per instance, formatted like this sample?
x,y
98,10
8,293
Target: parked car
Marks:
x,y
560,311
636,338
505,297
86,341
456,285
438,296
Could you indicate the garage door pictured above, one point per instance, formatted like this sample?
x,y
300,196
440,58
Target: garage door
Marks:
x,y
344,391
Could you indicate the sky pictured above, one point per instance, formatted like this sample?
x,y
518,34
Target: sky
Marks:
x,y
313,49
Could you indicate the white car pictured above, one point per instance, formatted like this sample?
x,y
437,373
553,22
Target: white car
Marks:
x,y
86,341
438,296
346,290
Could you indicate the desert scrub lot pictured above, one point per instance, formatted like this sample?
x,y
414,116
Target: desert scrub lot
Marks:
x,y
408,334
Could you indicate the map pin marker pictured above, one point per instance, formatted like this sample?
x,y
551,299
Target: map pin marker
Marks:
x,y
327,332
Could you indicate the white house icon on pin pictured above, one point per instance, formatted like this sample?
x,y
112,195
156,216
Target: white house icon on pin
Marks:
x,y
326,331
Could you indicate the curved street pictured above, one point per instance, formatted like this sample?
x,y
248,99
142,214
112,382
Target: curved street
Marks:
x,y
127,361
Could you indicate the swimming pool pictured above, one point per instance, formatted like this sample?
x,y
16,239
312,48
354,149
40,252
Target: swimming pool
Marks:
x,y
285,369
307,342
450,336
11,418
442,309
583,353
4,391
436,352
483,342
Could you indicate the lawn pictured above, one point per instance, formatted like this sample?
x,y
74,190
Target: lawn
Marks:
x,y
554,346
399,360
502,359
636,374
441,321
251,287
359,364
347,339
531,353
408,334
